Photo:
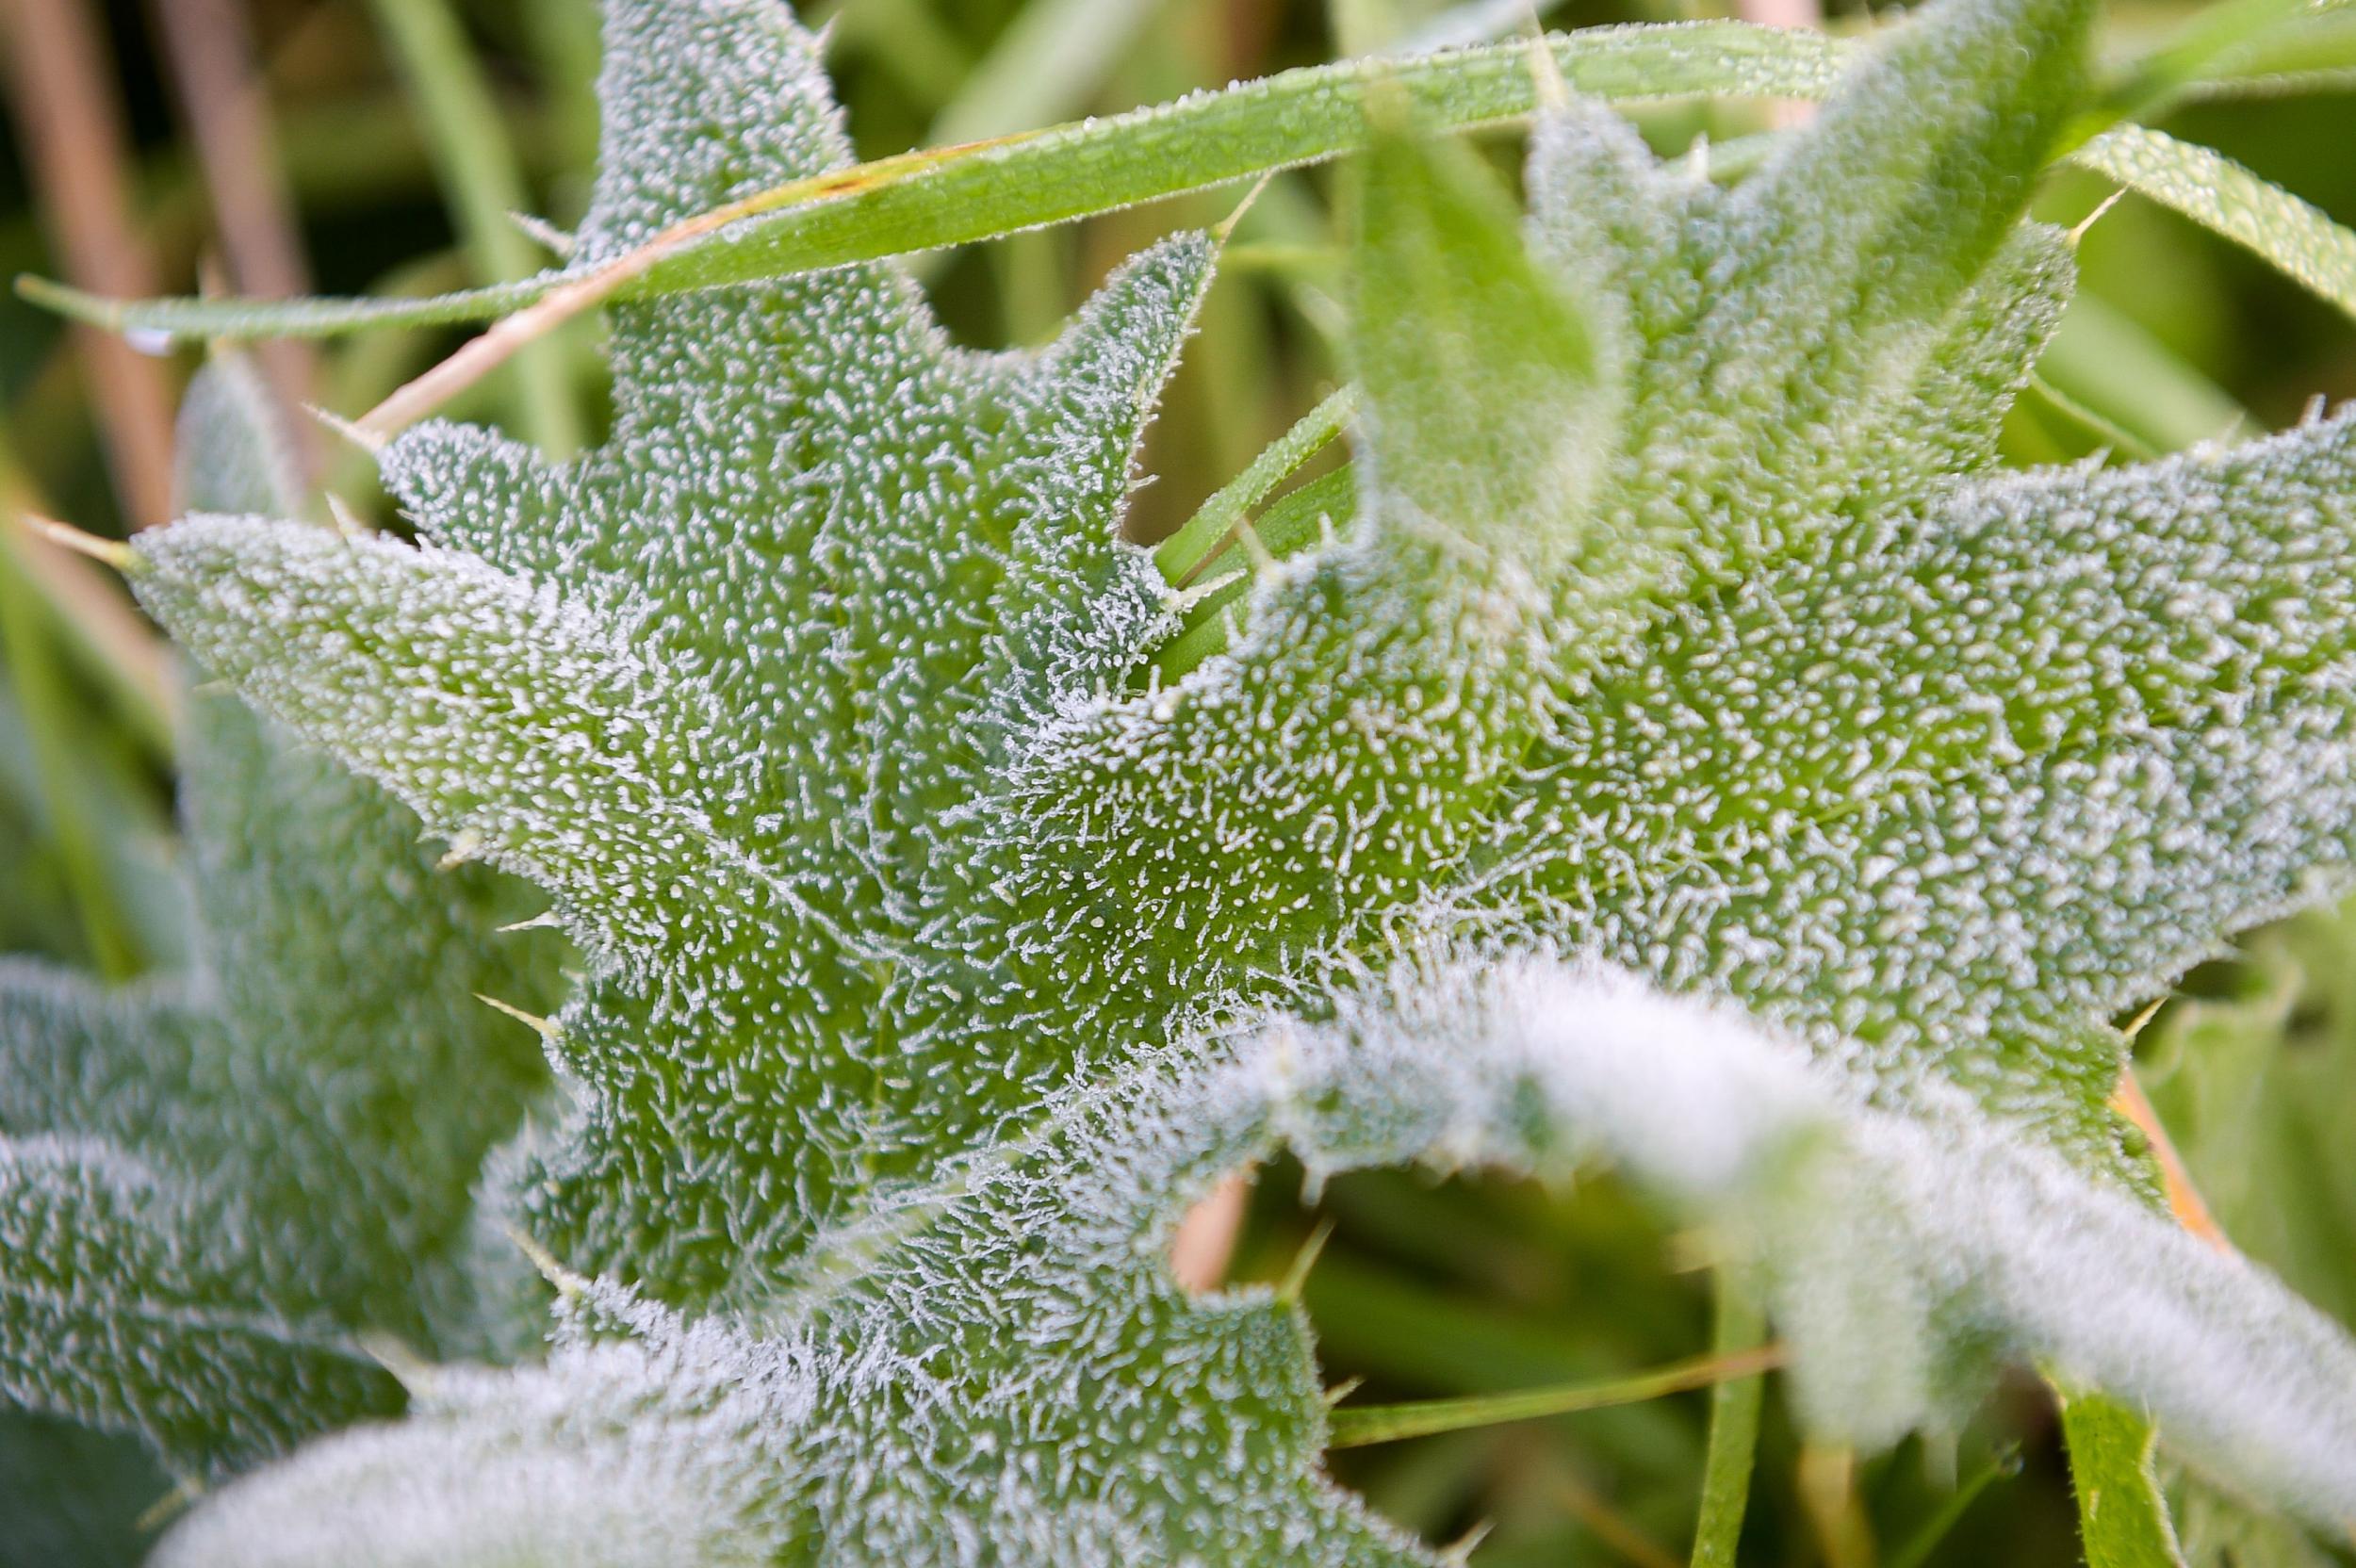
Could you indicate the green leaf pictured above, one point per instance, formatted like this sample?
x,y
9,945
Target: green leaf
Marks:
x,y
1011,1352
2122,1517
1492,393
941,955
477,166
2293,236
749,821
114,1264
220,1182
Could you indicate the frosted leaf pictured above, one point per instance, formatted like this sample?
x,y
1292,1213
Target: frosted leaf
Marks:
x,y
1679,624
665,1449
719,684
1971,781
123,1307
1972,1228
1002,1370
223,1177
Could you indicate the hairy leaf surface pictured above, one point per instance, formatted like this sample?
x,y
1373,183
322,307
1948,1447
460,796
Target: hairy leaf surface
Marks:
x,y
942,949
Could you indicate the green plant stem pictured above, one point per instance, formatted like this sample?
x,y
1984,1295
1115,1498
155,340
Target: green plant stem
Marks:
x,y
484,183
1355,1428
2297,237
1047,63
900,207
1739,1324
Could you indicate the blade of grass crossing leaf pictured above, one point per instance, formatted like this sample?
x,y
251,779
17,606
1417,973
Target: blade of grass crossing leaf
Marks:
x,y
1738,1325
1357,1427
2122,1516
483,184
1289,526
953,196
959,195
2217,193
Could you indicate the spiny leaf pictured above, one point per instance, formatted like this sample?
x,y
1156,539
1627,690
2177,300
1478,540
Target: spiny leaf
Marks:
x,y
942,953
988,1350
723,684
121,1309
255,1162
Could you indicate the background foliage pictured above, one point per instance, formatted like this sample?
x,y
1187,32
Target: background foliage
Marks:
x,y
405,129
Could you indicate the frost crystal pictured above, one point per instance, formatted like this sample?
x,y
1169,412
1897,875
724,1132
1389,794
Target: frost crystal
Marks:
x,y
940,953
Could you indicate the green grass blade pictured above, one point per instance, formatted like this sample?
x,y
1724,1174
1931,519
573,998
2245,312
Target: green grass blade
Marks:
x,y
2104,361
919,202
2212,190
1919,1546
2122,1518
1330,501
1182,556
46,703
483,184
2214,43
1356,1429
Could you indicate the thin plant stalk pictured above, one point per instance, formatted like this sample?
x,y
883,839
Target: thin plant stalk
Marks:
x,y
1738,1324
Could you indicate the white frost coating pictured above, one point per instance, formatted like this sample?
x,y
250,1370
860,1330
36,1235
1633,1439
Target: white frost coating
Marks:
x,y
813,697
657,1450
213,1181
1005,1372
1482,1065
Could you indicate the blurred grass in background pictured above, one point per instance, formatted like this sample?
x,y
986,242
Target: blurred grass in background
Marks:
x,y
377,146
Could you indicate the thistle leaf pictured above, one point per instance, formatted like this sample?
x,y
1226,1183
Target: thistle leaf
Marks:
x,y
941,954
116,1267
219,1181
970,1384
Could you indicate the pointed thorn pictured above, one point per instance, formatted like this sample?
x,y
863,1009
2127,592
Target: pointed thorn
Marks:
x,y
1460,1550
411,1370
545,920
1298,1275
1226,226
359,436
187,1491
1185,599
1343,1390
2078,230
111,552
545,1028
347,522
466,846
545,235
2142,1019
545,1260
1263,559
